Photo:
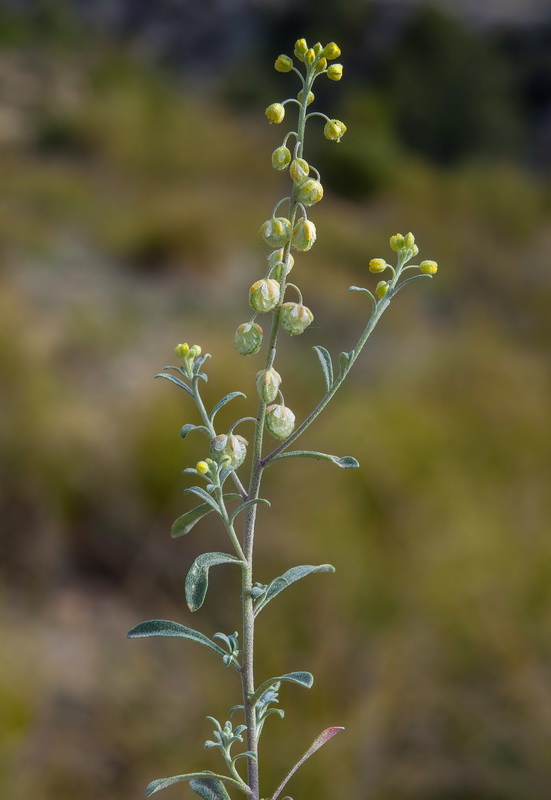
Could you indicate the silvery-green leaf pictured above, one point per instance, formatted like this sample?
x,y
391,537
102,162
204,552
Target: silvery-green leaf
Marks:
x,y
189,428
197,580
326,364
198,363
204,495
247,754
186,522
209,788
409,280
177,381
291,576
223,401
344,361
162,783
345,462
324,737
364,291
305,679
246,505
165,627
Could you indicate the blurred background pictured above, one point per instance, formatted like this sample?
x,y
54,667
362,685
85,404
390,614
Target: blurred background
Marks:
x,y
135,174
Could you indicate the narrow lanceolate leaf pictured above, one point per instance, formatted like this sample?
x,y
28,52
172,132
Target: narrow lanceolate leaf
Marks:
x,y
186,522
247,503
223,402
209,788
165,627
344,361
197,581
204,495
177,381
305,679
326,364
409,280
189,428
345,462
364,291
324,737
291,576
162,783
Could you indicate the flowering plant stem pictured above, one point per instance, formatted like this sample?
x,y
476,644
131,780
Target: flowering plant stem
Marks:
x,y
228,451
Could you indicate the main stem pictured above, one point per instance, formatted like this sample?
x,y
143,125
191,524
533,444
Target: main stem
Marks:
x,y
247,671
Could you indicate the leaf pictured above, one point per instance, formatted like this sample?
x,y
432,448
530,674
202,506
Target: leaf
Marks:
x,y
364,291
248,503
345,462
305,679
326,364
197,580
223,402
177,381
186,522
344,361
324,737
162,783
165,627
189,428
209,788
199,362
409,280
204,495
291,576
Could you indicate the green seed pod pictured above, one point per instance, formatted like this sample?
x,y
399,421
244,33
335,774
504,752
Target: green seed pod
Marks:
x,y
283,266
299,170
310,192
428,267
334,73
334,130
275,113
381,289
280,421
295,318
304,235
281,157
248,338
264,295
397,242
311,97
231,449
283,63
300,48
276,231
331,51
268,382
377,265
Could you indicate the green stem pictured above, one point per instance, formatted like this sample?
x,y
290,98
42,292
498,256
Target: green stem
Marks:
x,y
247,672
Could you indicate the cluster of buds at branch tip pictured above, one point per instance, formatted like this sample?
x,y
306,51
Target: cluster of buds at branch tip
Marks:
x,y
405,248
188,355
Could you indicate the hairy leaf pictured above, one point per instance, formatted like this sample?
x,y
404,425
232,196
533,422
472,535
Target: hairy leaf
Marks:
x,y
223,402
204,495
364,291
345,462
162,783
186,522
324,737
248,503
291,576
197,580
177,381
305,679
326,364
189,428
209,788
165,627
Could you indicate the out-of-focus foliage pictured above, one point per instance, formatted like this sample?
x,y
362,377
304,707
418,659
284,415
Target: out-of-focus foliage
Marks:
x,y
129,208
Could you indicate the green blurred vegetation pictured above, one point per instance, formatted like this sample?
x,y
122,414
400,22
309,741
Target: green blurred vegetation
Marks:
x,y
129,208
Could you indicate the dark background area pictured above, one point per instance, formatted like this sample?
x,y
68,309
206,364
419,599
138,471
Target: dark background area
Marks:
x,y
135,174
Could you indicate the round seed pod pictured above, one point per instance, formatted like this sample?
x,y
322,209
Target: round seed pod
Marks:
x,y
248,338
275,113
295,318
268,382
276,231
304,235
264,295
299,170
280,421
310,192
281,157
231,449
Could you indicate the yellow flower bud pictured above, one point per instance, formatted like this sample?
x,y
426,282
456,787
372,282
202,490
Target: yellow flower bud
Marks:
x,y
428,267
304,235
299,170
202,467
311,97
309,192
334,130
182,350
334,73
195,351
317,48
320,66
264,295
396,242
275,113
331,51
283,63
409,240
300,48
377,265
381,289
281,157
309,56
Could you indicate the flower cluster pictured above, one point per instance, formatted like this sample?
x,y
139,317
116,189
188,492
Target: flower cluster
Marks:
x,y
295,231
